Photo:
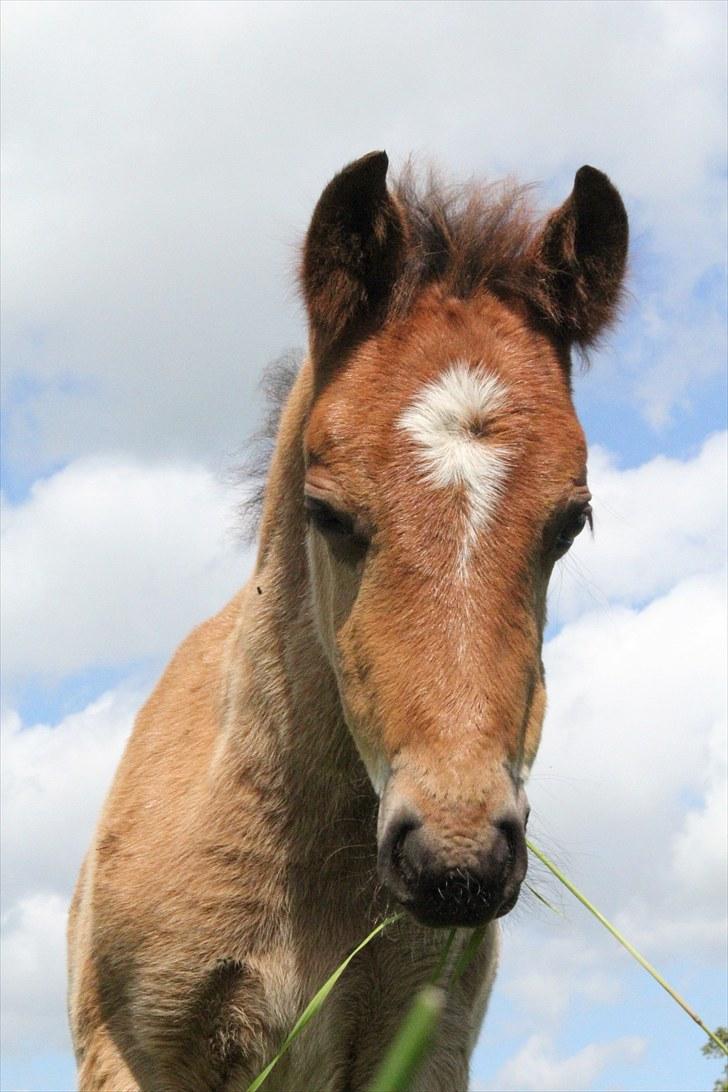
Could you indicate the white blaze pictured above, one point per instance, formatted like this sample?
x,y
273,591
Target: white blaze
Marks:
x,y
449,423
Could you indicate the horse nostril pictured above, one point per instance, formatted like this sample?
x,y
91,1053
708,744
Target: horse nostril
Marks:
x,y
398,856
513,831
398,851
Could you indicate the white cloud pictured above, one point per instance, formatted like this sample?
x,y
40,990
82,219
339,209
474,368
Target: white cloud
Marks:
x,y
698,851
544,978
683,345
635,701
34,974
537,1068
689,913
111,560
654,524
161,161
54,780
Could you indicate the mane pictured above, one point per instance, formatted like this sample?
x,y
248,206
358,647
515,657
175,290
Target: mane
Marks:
x,y
468,237
275,385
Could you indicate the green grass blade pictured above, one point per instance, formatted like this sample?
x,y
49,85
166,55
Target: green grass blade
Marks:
x,y
316,1002
625,944
411,1042
437,973
545,901
466,956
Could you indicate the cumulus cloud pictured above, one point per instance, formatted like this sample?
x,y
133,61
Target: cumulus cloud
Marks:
x,y
34,977
54,780
636,721
546,977
698,853
654,524
630,732
111,560
690,912
537,1068
148,244
678,345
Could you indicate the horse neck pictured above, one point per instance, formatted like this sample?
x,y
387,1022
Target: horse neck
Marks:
x,y
289,686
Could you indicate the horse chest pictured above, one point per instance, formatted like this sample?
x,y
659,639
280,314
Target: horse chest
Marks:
x,y
325,1055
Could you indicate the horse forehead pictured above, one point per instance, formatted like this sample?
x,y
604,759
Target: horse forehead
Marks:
x,y
451,388
463,403
461,415
379,411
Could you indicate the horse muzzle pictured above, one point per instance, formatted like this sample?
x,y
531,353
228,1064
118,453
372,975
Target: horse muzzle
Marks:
x,y
459,879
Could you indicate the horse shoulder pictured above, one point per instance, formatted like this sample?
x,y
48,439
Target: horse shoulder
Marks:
x,y
130,912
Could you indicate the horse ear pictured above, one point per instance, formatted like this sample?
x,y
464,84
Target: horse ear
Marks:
x,y
351,255
582,253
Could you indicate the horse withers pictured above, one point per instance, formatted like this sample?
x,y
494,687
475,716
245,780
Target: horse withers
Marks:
x,y
352,733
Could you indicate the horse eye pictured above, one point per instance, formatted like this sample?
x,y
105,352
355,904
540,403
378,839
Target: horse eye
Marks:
x,y
574,524
326,519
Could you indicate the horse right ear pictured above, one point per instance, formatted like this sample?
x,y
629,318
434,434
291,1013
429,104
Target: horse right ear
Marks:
x,y
581,257
351,256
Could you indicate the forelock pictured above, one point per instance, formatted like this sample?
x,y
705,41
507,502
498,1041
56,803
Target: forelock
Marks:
x,y
470,237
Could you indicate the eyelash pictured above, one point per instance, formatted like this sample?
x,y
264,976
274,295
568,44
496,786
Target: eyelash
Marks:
x,y
572,526
326,519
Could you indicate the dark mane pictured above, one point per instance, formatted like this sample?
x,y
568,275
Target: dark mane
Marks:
x,y
468,237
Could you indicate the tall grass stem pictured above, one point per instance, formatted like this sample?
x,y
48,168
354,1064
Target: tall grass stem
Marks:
x,y
625,943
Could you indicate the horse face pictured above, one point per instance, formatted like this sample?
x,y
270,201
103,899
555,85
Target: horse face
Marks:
x,y
445,475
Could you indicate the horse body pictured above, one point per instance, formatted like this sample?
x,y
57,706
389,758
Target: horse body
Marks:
x,y
243,850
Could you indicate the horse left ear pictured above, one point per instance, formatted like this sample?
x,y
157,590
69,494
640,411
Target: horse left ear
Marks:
x,y
581,255
351,256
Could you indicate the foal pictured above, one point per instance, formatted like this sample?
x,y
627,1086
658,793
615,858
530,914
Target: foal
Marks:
x,y
428,472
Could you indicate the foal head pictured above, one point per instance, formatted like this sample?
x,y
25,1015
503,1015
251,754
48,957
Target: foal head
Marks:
x,y
445,475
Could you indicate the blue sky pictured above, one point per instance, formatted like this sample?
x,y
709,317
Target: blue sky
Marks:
x,y
160,162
